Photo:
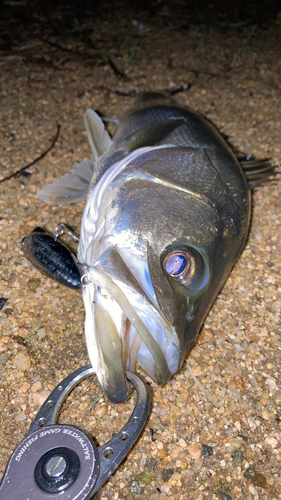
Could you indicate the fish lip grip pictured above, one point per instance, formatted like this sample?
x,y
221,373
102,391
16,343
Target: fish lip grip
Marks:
x,y
55,458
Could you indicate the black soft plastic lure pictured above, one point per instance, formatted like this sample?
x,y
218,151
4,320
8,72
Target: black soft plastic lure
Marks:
x,y
52,258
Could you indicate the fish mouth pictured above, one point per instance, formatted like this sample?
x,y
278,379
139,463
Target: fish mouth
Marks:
x,y
124,325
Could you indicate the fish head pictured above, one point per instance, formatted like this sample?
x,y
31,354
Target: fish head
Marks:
x,y
156,255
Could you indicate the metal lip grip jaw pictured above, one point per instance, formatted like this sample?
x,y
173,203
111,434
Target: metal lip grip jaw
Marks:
x,y
59,461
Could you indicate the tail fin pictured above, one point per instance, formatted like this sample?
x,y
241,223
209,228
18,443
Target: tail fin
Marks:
x,y
257,171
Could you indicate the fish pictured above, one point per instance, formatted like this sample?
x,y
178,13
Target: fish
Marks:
x,y
167,214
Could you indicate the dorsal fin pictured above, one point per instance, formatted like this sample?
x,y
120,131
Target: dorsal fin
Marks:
x,y
99,138
147,99
70,187
153,135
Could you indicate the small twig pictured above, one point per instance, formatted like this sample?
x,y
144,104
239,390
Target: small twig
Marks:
x,y
102,52
75,323
61,47
15,174
132,93
33,333
106,55
207,394
116,70
27,46
241,50
96,400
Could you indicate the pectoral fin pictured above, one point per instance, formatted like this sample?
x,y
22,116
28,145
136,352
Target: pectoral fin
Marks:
x,y
70,187
99,138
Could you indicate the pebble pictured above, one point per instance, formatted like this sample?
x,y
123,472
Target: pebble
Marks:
x,y
24,387
249,473
266,415
20,417
36,386
40,397
237,425
151,463
8,311
237,456
253,491
207,451
239,382
101,412
272,441
167,474
33,283
253,423
161,454
174,453
195,353
22,361
5,325
194,451
224,496
271,382
2,302
182,443
135,487
259,480
3,359
196,370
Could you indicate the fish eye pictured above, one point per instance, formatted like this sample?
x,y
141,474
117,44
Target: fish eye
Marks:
x,y
180,265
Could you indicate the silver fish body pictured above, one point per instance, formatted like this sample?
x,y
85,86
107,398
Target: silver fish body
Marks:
x,y
166,217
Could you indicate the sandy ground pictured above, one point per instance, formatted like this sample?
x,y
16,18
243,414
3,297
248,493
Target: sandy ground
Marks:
x,y
189,448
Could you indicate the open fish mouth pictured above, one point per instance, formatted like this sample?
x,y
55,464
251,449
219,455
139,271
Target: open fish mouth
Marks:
x,y
124,325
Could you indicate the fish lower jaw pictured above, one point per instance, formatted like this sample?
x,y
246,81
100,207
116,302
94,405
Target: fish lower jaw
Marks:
x,y
116,341
113,379
143,356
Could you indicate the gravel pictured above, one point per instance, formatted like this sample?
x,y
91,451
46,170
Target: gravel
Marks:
x,y
198,451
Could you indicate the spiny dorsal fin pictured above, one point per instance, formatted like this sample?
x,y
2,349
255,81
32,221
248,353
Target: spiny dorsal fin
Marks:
x,y
153,135
99,138
147,99
70,187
